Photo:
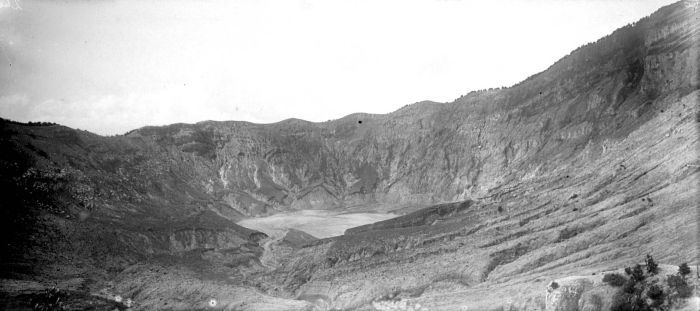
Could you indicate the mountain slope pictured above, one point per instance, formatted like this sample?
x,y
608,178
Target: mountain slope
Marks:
x,y
430,152
579,167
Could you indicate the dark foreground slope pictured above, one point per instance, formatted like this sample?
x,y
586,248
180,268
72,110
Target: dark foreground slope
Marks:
x,y
585,166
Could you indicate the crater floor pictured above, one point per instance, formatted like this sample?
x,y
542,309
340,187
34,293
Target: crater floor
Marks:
x,y
319,223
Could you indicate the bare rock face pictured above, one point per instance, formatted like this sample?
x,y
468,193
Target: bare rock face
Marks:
x,y
424,153
566,295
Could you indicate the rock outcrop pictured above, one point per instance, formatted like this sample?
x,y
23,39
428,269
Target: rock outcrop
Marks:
x,y
567,295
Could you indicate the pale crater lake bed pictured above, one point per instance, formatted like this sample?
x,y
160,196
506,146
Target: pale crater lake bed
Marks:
x,y
319,223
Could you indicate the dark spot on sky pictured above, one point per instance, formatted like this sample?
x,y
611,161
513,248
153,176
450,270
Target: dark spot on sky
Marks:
x,y
359,121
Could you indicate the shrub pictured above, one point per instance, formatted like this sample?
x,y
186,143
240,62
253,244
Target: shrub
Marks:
x,y
640,304
629,287
554,285
683,269
655,293
658,304
627,301
614,279
641,294
679,287
638,273
652,266
684,291
675,281
621,302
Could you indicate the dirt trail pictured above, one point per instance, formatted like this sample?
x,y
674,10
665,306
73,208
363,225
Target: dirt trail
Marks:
x,y
267,259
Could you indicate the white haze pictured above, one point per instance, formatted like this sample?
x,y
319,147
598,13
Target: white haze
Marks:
x,y
111,66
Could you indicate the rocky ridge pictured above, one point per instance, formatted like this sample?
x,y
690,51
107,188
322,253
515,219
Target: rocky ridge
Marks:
x,y
580,168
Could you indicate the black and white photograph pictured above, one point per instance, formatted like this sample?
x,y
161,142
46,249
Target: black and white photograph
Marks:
x,y
350,155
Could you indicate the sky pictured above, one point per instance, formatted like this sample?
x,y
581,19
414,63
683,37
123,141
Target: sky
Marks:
x,y
109,66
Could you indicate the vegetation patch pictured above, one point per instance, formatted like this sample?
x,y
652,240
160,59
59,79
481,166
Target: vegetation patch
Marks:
x,y
642,291
614,279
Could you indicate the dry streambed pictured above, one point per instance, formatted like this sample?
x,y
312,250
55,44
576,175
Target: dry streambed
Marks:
x,y
319,223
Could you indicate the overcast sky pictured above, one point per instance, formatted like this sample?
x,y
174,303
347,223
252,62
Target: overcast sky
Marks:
x,y
109,66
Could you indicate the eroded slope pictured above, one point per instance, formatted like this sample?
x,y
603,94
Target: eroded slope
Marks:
x,y
581,167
